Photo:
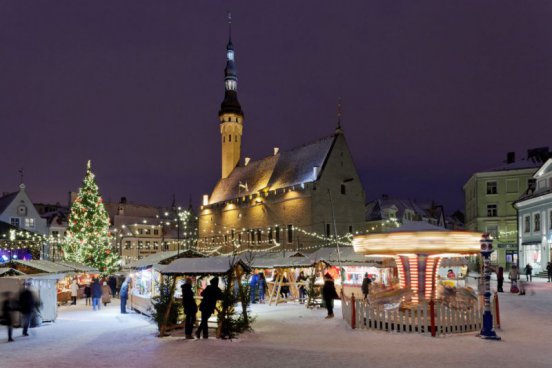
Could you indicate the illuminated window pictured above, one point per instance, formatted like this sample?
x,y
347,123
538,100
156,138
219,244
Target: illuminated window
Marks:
x,y
127,244
140,244
492,210
492,187
155,245
29,222
148,231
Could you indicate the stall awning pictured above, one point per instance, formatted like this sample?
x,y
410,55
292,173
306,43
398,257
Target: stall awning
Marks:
x,y
78,267
6,271
282,262
162,258
43,266
203,266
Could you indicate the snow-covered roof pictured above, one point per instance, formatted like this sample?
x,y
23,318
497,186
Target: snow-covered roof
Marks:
x,y
45,266
162,258
6,200
205,266
285,169
375,209
78,267
416,226
6,271
282,262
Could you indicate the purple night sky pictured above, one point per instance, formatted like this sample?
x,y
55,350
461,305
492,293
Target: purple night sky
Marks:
x,y
432,90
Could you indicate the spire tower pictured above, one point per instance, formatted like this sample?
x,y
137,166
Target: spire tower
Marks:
x,y
230,113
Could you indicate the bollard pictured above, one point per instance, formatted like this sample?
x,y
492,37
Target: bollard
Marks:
x,y
497,310
353,311
432,317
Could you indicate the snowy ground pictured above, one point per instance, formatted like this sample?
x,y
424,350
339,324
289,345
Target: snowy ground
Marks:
x,y
287,335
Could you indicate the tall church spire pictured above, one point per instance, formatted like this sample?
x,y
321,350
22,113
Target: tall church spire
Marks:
x,y
230,113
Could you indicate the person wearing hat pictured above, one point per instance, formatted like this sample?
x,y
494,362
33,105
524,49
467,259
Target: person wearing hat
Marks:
x,y
329,294
210,295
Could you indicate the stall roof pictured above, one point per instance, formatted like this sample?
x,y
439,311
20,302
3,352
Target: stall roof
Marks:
x,y
348,257
162,257
78,267
207,266
282,262
6,271
45,266
40,276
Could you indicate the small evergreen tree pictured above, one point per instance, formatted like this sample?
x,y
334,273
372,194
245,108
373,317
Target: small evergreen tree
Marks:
x,y
88,239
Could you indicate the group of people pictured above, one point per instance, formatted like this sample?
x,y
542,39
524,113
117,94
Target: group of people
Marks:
x,y
27,303
101,292
210,295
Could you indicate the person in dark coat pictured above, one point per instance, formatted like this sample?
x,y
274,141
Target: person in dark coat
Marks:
x,y
87,294
262,287
366,285
210,295
96,289
190,307
549,270
27,306
123,294
7,310
301,281
112,282
253,284
500,279
329,294
529,272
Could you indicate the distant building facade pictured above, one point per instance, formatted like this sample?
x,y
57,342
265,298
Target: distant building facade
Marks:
x,y
386,213
489,196
291,200
535,220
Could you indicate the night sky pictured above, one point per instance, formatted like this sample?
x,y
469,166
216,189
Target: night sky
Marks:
x,y
432,90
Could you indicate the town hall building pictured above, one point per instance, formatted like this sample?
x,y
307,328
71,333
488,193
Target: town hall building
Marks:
x,y
295,200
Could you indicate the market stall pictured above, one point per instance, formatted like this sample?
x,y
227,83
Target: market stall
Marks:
x,y
44,285
348,269
146,277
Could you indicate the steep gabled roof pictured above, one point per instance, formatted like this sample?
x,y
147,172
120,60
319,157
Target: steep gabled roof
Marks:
x,y
6,200
285,169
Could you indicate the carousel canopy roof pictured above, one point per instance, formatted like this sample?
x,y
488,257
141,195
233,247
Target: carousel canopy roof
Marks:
x,y
347,255
162,258
203,266
408,242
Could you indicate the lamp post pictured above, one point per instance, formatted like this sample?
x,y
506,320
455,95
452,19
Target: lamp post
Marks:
x,y
487,331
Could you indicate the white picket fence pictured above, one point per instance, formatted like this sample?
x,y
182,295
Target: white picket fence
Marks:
x,y
360,314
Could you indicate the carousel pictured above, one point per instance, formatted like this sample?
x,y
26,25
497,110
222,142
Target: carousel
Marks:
x,y
419,252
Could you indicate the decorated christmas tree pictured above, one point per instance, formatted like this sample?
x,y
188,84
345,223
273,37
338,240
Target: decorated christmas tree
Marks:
x,y
88,239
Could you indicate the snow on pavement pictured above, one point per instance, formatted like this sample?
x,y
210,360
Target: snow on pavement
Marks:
x,y
287,335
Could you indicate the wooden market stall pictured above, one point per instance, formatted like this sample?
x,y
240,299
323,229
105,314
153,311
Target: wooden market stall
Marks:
x,y
45,287
281,272
146,277
348,269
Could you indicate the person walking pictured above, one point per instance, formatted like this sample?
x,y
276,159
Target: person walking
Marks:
x,y
262,287
253,283
123,294
27,306
514,277
190,308
366,281
112,282
529,272
87,293
96,291
7,310
106,294
301,281
549,271
74,292
210,295
500,279
329,294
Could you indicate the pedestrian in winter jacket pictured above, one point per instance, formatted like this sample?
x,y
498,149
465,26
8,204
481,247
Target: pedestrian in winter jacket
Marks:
x,y
500,279
529,272
262,287
366,285
7,310
27,306
123,294
253,284
329,294
301,281
96,290
190,307
87,294
74,292
549,270
210,295
106,294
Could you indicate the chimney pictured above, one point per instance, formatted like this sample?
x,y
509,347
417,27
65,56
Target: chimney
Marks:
x,y
246,161
276,150
123,200
384,196
510,157
315,172
205,199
